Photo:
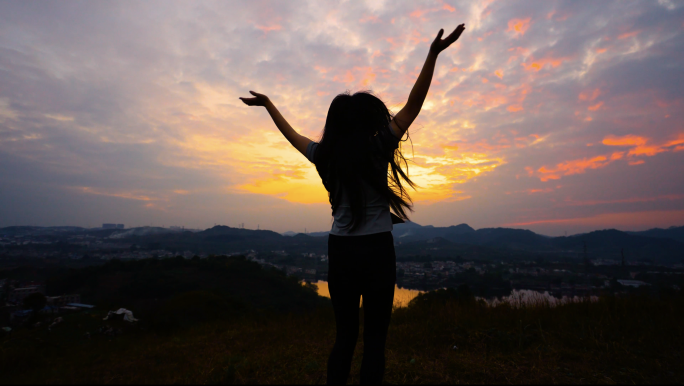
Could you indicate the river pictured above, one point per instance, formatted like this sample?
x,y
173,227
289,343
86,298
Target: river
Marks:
x,y
517,298
402,296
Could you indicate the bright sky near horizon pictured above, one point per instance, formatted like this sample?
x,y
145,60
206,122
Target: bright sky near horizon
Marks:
x,y
553,116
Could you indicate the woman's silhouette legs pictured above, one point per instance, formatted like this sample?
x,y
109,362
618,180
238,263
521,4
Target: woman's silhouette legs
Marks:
x,y
377,312
361,265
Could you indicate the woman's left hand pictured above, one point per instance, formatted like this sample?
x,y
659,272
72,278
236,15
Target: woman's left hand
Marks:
x,y
258,100
439,44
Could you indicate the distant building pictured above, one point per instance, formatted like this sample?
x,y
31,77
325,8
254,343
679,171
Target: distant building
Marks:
x,y
17,295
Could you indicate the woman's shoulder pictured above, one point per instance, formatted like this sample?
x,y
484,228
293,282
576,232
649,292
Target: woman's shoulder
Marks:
x,y
311,151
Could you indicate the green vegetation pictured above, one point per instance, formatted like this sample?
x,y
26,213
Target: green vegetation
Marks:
x,y
226,320
178,292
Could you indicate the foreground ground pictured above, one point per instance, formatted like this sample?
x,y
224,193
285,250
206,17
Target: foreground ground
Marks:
x,y
451,341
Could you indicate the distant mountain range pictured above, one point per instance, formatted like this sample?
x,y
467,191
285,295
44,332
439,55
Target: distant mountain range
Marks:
x,y
656,245
674,233
413,231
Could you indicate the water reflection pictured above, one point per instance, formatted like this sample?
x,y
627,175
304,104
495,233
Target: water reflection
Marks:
x,y
402,296
517,298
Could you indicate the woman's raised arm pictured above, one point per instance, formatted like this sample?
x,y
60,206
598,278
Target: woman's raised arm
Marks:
x,y
297,140
408,114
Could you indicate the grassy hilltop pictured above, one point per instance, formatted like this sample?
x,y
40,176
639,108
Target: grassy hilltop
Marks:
x,y
226,320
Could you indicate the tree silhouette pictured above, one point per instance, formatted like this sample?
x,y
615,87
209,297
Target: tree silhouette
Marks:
x,y
35,301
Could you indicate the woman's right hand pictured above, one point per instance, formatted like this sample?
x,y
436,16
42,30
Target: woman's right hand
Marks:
x,y
440,44
258,100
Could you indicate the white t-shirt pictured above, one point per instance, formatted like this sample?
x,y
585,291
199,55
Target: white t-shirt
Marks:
x,y
378,217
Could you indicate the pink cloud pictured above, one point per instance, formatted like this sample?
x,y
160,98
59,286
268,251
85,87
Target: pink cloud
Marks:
x,y
518,26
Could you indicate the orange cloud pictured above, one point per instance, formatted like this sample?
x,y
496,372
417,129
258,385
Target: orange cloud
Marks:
x,y
676,142
514,108
518,26
368,75
586,96
533,191
640,146
268,28
648,151
538,64
499,73
448,7
627,140
595,107
629,34
577,166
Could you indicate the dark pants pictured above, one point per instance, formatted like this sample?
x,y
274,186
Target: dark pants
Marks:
x,y
361,266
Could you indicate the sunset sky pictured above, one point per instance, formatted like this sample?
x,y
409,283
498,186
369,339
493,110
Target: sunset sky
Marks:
x,y
554,116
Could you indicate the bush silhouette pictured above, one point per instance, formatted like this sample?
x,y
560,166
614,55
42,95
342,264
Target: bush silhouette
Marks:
x,y
461,295
35,301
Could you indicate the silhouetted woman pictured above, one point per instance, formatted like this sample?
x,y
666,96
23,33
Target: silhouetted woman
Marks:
x,y
358,159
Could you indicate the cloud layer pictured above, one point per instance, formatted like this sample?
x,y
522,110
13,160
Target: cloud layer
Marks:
x,y
555,116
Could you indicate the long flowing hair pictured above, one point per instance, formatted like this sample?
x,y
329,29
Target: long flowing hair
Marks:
x,y
350,147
